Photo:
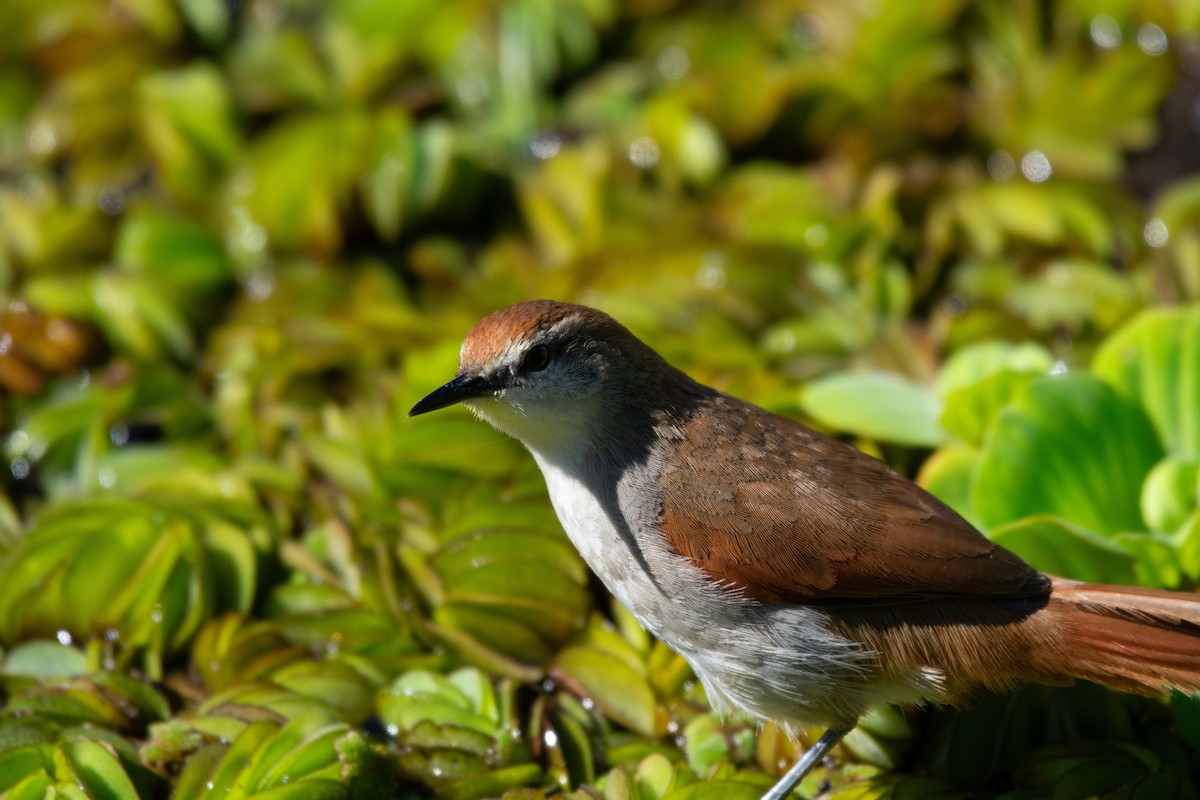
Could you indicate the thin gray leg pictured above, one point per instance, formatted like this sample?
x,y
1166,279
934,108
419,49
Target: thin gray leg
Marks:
x,y
815,754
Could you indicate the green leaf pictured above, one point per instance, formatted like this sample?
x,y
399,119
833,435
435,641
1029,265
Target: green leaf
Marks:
x,y
19,764
493,783
716,790
1187,542
482,623
878,405
310,789
302,748
238,759
1154,361
971,364
1171,493
99,771
549,602
706,744
1071,447
44,660
1156,560
971,411
37,786
420,696
621,692
1061,548
209,18
175,251
301,176
187,118
69,705
344,464
335,683
391,176
194,781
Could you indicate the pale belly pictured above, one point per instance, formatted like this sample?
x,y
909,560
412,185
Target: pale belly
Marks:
x,y
771,662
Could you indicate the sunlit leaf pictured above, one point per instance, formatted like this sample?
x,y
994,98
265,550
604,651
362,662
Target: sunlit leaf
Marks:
x,y
1071,447
876,405
1060,548
1171,493
187,116
621,691
1152,361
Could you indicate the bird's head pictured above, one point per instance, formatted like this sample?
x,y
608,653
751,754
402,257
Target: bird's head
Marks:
x,y
544,372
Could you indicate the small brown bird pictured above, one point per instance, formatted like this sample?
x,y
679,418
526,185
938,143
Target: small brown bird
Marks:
x,y
803,580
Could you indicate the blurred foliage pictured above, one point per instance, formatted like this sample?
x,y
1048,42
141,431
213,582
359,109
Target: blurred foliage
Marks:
x,y
239,239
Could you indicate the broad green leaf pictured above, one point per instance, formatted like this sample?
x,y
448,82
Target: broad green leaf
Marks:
x,y
1157,561
238,759
137,696
303,747
18,764
878,405
209,18
99,771
388,186
1069,551
174,250
425,686
1171,493
334,682
37,786
495,630
44,660
301,176
253,701
716,790
547,601
343,464
70,705
477,687
509,547
1068,446
1187,542
969,365
493,783
310,789
654,776
1154,362
24,733
234,564
620,691
187,117
970,411
403,715
439,755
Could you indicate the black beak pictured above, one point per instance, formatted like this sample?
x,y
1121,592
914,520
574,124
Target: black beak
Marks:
x,y
464,387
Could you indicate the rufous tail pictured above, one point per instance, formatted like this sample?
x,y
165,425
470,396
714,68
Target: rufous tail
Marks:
x,y
1136,640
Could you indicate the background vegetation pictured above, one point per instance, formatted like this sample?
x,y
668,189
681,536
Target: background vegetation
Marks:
x,y
239,239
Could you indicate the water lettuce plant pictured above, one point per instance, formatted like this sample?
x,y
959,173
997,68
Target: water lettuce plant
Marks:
x,y
239,240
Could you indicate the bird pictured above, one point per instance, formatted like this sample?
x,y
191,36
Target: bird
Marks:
x,y
803,580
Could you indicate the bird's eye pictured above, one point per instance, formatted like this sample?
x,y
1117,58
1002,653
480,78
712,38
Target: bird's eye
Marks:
x,y
536,359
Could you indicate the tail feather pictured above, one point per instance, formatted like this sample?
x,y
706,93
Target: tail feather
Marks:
x,y
1136,640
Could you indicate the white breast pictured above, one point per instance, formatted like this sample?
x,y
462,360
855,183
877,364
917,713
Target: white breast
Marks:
x,y
772,662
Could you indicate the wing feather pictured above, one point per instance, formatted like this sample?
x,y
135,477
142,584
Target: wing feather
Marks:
x,y
832,525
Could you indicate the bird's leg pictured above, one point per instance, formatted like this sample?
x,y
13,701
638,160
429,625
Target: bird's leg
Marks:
x,y
810,759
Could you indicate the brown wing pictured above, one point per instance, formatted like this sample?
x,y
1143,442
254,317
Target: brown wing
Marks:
x,y
834,525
